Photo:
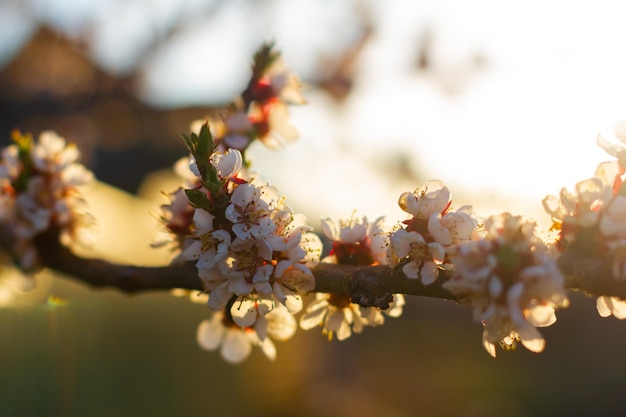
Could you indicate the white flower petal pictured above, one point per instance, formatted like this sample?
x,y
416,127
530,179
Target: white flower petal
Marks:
x,y
489,347
236,346
203,220
411,270
210,332
281,325
602,305
428,273
334,320
611,306
532,339
244,312
268,348
541,316
440,233
344,331
330,229
193,250
437,251
314,315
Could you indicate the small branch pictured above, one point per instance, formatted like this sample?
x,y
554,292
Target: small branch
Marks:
x,y
128,278
372,286
369,286
593,276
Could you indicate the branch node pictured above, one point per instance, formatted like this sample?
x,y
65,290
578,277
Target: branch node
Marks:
x,y
369,290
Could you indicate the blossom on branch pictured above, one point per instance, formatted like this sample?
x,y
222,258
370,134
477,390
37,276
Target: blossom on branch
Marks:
x,y
39,193
421,245
261,112
592,221
355,241
235,342
510,277
252,252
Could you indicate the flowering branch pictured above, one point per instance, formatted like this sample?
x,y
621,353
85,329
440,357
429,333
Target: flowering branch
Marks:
x,y
254,258
368,286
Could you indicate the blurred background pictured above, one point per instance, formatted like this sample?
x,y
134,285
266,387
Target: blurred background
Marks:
x,y
501,101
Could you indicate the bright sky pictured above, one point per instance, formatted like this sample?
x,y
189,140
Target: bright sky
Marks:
x,y
518,127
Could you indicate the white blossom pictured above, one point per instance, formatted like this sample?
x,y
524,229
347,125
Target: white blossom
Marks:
x,y
453,227
611,306
512,281
423,258
338,316
250,209
235,342
432,198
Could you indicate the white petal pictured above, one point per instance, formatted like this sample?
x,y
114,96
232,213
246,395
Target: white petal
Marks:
x,y
240,286
207,260
532,339
329,228
203,220
495,287
541,316
244,312
344,331
437,251
334,320
428,273
411,270
618,307
395,309
314,315
602,305
281,325
268,348
293,302
236,346
219,297
489,347
440,233
614,306
210,332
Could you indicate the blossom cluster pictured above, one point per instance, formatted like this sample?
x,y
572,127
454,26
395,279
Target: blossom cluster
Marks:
x,y
253,255
261,112
420,247
591,221
252,252
355,241
500,265
39,194
512,281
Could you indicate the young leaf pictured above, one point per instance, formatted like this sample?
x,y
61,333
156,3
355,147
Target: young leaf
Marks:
x,y
263,59
201,147
198,199
24,145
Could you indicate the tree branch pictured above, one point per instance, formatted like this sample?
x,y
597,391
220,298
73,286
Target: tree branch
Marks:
x,y
370,286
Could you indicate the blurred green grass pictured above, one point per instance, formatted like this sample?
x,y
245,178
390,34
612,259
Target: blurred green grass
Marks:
x,y
108,354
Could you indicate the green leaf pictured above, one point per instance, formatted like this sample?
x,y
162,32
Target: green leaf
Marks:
x,y
264,57
198,199
24,145
201,147
189,143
